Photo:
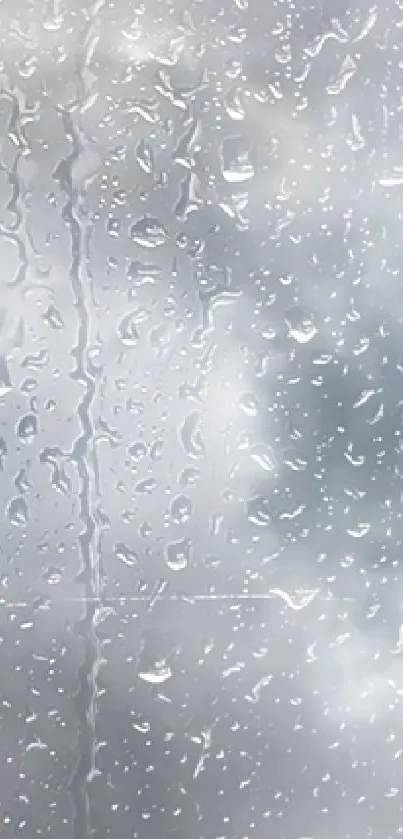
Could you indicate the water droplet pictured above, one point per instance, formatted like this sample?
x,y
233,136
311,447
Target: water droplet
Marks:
x,y
5,381
249,404
233,104
145,157
156,450
138,450
264,457
149,233
146,486
157,675
293,460
53,575
191,436
3,451
178,554
29,385
17,511
236,163
127,330
53,318
347,70
361,530
27,428
126,555
181,509
113,227
301,325
258,512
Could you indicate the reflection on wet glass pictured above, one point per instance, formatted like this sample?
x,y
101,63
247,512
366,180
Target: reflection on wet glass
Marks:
x,y
201,420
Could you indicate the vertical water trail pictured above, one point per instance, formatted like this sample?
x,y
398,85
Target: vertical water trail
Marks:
x,y
81,455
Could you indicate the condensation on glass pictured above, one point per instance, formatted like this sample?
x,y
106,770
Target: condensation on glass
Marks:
x,y
201,412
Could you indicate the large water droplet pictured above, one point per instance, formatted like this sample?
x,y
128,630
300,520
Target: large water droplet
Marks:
x,y
27,428
191,436
258,512
127,330
145,157
236,164
181,509
149,232
249,404
178,554
53,575
137,450
301,324
126,555
156,675
17,511
264,457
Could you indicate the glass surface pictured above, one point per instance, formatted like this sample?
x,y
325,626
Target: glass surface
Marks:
x,y
201,419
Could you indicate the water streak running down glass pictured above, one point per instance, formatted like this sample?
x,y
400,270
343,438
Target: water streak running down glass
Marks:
x,y
201,370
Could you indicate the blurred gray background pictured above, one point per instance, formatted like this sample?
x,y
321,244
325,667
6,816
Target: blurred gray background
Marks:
x,y
201,420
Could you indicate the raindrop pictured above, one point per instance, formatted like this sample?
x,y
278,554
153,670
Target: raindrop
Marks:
x,y
127,330
347,70
126,555
156,675
53,575
17,511
191,436
137,450
249,404
361,530
113,227
294,461
236,163
301,325
5,381
149,233
178,554
257,510
3,451
145,157
53,318
233,105
264,457
27,428
181,509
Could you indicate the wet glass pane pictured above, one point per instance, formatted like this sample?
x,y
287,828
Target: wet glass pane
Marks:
x,y
200,411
